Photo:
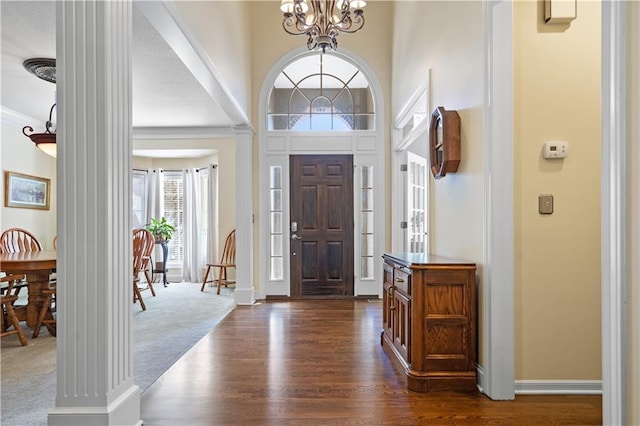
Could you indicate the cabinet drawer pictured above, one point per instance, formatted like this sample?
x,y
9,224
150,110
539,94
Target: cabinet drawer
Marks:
x,y
402,281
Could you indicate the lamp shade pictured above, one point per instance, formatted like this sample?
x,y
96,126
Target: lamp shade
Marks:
x,y
357,4
49,148
286,6
45,141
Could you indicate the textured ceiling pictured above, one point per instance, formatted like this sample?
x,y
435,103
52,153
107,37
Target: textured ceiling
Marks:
x,y
165,93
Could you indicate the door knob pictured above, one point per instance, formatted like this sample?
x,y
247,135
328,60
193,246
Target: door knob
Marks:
x,y
295,237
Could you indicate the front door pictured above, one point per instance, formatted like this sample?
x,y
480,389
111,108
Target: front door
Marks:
x,y
321,225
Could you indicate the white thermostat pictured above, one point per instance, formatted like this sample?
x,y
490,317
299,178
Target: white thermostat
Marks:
x,y
556,149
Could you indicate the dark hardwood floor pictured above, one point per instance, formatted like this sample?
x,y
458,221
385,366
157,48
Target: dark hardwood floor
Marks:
x,y
320,362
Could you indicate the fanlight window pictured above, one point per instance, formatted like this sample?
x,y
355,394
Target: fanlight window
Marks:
x,y
320,93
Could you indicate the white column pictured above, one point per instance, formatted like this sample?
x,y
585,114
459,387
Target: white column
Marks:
x,y
245,292
496,376
94,348
614,210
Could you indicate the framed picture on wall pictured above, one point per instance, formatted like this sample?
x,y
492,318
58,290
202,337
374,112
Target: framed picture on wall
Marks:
x,y
26,191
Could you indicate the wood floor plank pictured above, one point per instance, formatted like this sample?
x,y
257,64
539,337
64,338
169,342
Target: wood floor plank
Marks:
x,y
320,363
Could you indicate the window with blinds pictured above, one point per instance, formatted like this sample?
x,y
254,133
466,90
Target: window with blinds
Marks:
x,y
173,201
139,199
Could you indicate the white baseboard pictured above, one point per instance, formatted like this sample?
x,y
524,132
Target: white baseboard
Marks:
x,y
548,387
558,387
480,377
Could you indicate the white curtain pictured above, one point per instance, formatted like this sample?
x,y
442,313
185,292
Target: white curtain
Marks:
x,y
211,248
190,234
155,191
200,231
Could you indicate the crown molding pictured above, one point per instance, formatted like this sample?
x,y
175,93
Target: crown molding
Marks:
x,y
10,116
183,133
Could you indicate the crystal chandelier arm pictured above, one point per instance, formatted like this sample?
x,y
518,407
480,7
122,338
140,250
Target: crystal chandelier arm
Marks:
x,y
290,25
322,20
348,25
295,22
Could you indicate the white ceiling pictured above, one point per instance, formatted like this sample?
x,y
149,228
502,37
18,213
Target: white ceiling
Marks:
x,y
165,93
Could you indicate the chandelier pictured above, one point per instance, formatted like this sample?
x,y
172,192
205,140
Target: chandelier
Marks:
x,y
44,69
45,141
322,20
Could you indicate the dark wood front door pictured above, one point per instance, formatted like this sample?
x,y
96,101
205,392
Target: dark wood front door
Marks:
x,y
322,214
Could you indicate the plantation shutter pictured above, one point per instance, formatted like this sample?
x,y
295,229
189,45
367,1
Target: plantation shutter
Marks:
x,y
139,199
173,211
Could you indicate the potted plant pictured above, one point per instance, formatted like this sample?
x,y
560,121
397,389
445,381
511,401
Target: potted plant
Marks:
x,y
160,228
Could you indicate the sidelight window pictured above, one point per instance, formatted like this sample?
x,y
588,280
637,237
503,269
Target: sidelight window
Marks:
x,y
276,267
366,224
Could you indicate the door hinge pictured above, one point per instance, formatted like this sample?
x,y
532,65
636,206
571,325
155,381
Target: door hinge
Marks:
x,y
403,167
403,225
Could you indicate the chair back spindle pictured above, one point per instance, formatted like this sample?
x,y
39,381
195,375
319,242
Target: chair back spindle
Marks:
x,y
143,243
229,251
16,240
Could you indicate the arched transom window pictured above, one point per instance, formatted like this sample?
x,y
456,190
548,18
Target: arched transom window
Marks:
x,y
320,92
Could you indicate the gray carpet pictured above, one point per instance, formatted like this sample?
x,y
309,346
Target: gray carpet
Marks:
x,y
174,321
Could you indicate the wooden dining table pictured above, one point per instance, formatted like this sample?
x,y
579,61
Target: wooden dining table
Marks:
x,y
37,266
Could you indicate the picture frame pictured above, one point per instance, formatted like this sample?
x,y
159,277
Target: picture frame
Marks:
x,y
26,191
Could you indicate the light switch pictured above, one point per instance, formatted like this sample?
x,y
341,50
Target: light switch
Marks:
x,y
545,204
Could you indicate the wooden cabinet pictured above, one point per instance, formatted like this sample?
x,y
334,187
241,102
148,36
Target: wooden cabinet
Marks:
x,y
429,320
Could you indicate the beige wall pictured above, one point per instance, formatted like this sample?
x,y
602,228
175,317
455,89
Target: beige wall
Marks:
x,y
453,54
20,155
557,257
229,49
633,193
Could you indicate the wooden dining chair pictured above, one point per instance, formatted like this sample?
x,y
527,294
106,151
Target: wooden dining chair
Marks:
x,y
15,240
227,260
146,259
9,317
143,243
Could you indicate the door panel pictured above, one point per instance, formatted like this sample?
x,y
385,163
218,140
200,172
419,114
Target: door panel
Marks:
x,y
322,205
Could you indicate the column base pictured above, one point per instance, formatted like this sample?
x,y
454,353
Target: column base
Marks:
x,y
123,411
244,296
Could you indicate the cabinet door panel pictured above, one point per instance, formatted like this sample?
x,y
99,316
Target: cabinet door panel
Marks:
x,y
387,300
402,327
447,345
446,299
